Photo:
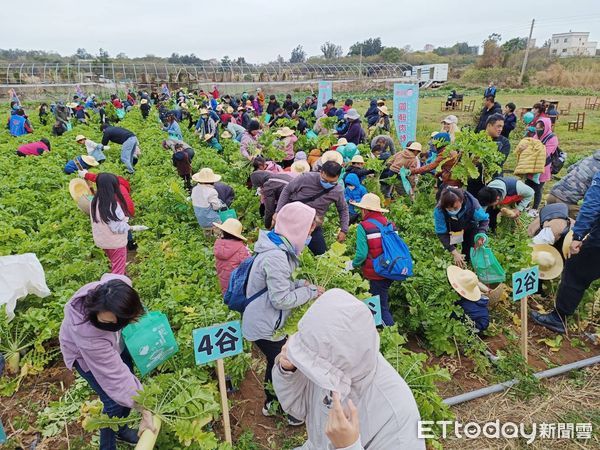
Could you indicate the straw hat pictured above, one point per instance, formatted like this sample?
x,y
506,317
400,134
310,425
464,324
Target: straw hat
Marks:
x,y
342,141
357,159
548,259
203,111
226,135
567,244
464,282
89,160
371,202
231,226
72,105
143,101
300,166
79,188
332,155
207,137
229,110
383,109
416,146
84,204
284,132
80,137
450,119
241,108
219,108
206,175
184,106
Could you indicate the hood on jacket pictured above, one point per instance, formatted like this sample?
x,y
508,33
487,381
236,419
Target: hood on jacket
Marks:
x,y
77,318
359,190
597,155
259,177
547,127
407,154
226,248
294,221
337,344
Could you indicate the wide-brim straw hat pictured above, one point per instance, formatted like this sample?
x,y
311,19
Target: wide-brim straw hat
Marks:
x,y
231,226
143,101
229,110
357,159
206,175
207,137
300,166
89,160
567,244
464,282
332,155
226,135
450,119
84,203
78,188
80,137
342,141
284,132
72,105
371,202
383,109
416,146
548,259
203,111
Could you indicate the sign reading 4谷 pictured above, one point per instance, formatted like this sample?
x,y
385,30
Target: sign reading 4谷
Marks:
x,y
217,342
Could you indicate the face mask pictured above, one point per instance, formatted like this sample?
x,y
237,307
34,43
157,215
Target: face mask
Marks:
x,y
326,184
351,188
453,213
109,326
539,133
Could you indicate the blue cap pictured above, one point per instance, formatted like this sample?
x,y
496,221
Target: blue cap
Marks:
x,y
441,139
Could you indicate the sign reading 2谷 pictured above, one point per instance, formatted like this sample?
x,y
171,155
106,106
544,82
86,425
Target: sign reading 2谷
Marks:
x,y
525,282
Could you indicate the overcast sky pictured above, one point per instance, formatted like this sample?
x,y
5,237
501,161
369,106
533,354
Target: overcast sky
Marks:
x,y
259,30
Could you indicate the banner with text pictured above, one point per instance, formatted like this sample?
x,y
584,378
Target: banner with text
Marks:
x,y
325,93
406,103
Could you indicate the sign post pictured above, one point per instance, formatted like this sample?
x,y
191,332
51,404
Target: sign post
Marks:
x,y
213,344
525,283
406,103
325,93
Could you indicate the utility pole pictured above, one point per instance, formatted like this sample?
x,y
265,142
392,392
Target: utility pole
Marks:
x,y
526,53
360,64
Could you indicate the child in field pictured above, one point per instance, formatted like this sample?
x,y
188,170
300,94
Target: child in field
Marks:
x,y
472,301
181,161
205,198
43,113
230,250
93,148
144,108
354,192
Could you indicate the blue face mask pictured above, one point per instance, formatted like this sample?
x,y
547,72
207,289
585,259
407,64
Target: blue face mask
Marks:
x,y
326,184
453,213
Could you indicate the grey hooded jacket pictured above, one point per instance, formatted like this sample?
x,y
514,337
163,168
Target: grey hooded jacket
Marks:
x,y
573,186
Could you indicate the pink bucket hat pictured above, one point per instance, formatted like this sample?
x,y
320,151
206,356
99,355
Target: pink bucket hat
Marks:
x,y
293,222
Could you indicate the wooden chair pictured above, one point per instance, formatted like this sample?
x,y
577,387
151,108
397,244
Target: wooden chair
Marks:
x,y
575,125
469,107
565,111
591,104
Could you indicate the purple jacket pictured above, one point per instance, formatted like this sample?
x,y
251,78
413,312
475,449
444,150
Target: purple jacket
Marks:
x,y
96,350
355,133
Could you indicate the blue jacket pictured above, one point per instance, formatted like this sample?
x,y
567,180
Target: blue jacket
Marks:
x,y
71,167
588,219
16,125
510,122
355,194
471,216
174,131
476,311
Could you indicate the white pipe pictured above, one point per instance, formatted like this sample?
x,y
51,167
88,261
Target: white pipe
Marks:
x,y
468,396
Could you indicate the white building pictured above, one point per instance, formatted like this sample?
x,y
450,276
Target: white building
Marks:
x,y
572,44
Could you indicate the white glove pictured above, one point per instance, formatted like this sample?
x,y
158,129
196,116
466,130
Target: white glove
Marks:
x,y
106,147
258,191
348,266
139,228
82,173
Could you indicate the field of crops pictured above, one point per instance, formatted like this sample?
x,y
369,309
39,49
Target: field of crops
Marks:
x,y
173,270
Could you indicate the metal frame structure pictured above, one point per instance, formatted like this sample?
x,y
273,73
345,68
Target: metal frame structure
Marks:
x,y
23,73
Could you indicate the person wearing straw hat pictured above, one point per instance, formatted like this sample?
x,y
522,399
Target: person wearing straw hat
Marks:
x,y
333,360
145,108
287,142
450,126
384,118
237,131
93,148
230,250
408,159
299,167
356,166
330,155
473,303
355,134
82,162
319,190
127,139
212,142
582,267
205,198
369,247
340,142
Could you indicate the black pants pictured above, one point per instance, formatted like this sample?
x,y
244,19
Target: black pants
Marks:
x,y
381,288
187,181
493,212
467,245
270,349
537,189
579,272
317,245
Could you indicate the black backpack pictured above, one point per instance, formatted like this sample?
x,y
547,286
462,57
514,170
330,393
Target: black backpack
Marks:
x,y
556,160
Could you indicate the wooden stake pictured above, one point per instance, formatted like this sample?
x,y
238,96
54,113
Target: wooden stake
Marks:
x,y
524,327
224,403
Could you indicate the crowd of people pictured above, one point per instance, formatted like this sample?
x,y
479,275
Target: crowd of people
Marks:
x,y
296,192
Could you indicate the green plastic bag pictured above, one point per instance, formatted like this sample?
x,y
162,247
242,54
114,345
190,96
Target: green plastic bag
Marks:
x,y
227,214
267,117
150,341
120,113
487,267
404,173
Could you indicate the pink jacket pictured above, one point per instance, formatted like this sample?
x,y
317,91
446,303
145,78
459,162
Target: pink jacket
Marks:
x,y
288,147
97,350
229,254
32,148
551,146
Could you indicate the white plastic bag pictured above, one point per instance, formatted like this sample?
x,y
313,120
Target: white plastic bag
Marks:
x,y
546,236
20,275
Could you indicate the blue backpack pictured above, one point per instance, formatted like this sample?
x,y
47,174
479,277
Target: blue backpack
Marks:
x,y
395,263
235,296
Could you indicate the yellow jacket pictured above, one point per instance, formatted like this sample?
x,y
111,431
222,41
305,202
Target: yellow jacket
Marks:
x,y
531,157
